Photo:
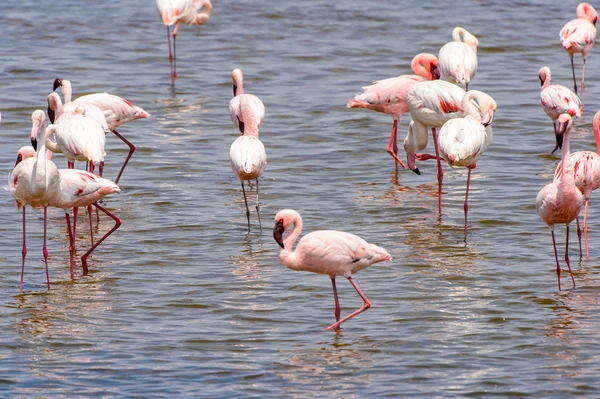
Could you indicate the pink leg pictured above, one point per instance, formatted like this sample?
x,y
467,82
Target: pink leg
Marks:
x,y
45,248
71,245
338,310
75,213
23,252
466,206
567,257
131,150
170,53
89,208
579,236
246,202
366,305
392,147
116,226
425,157
89,211
583,82
70,165
573,69
585,235
101,168
175,53
440,174
467,86
556,256
258,207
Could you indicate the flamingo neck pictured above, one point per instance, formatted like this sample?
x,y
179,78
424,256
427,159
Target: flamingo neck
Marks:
x,y
55,104
48,143
41,160
202,17
67,90
287,256
597,130
567,178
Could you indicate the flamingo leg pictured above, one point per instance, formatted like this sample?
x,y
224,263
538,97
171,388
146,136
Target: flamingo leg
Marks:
x,y
170,53
567,257
116,226
366,305
579,236
71,245
45,248
583,83
75,213
89,208
467,86
573,69
23,252
556,256
131,151
258,207
89,211
338,310
392,147
246,202
466,206
174,76
585,234
101,169
440,174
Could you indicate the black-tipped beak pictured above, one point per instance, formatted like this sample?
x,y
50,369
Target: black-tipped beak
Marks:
x,y
34,144
559,142
541,81
234,90
242,126
19,159
278,233
57,83
416,170
435,72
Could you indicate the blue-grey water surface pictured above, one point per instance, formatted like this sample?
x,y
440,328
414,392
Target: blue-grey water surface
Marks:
x,y
180,301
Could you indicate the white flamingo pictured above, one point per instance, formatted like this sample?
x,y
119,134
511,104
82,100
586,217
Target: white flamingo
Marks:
x,y
458,58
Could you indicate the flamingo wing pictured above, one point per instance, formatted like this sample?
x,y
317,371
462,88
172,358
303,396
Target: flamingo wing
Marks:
x,y
578,35
116,110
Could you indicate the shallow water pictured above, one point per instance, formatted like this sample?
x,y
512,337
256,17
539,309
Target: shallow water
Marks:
x,y
180,301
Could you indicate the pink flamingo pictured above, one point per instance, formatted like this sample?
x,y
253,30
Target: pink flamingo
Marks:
x,y
557,100
34,181
432,103
178,11
462,141
247,153
388,96
335,253
586,168
458,58
578,36
116,110
78,188
234,105
560,201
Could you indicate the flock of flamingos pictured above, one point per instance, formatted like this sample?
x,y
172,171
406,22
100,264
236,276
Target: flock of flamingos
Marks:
x,y
432,97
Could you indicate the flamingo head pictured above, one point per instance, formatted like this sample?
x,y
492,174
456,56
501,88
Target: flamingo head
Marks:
x,y
586,11
426,65
57,83
563,125
237,78
410,146
37,118
278,231
544,75
24,153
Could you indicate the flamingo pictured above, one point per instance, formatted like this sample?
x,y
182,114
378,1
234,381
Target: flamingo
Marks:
x,y
34,181
462,141
78,188
178,11
247,153
560,201
556,100
331,252
116,110
388,96
578,36
458,58
432,103
586,167
238,94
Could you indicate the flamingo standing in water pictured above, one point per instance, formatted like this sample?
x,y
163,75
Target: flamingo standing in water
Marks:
x,y
34,181
462,141
432,103
560,201
557,100
335,253
234,104
586,167
388,96
247,153
178,11
116,110
78,188
458,58
578,36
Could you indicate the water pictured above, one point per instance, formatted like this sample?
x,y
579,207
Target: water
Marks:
x,y
182,302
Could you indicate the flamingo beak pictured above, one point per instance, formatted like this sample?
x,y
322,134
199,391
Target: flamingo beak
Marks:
x,y
234,90
559,141
435,72
33,144
488,118
19,159
57,84
278,233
